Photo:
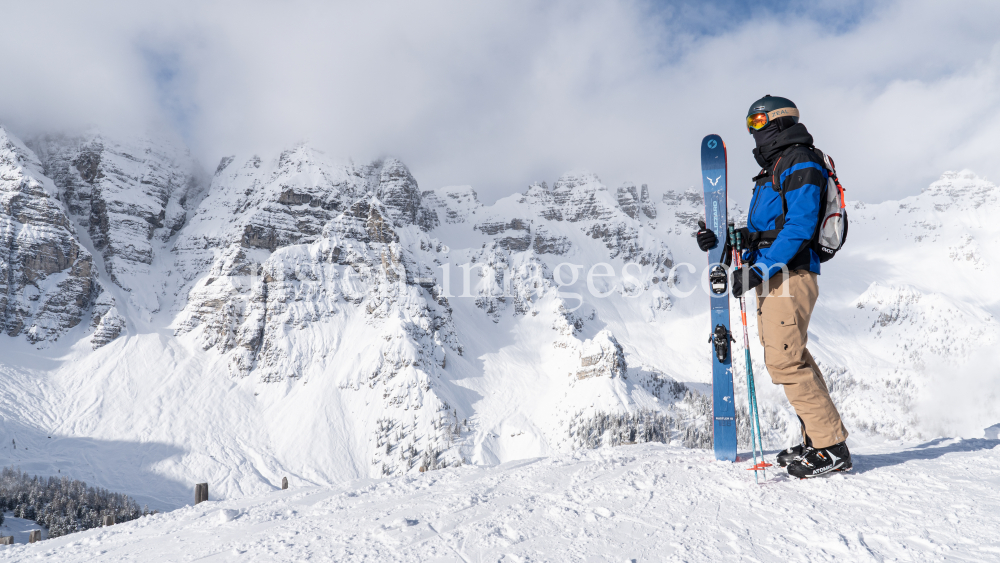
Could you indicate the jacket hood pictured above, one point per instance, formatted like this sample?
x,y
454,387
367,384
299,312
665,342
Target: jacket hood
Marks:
x,y
771,143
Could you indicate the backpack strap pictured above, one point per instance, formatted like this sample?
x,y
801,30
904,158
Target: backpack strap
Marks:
x,y
764,239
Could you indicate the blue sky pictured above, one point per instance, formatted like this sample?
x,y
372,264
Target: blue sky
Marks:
x,y
175,102
715,17
497,95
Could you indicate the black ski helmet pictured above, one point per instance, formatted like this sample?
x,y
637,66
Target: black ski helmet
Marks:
x,y
769,105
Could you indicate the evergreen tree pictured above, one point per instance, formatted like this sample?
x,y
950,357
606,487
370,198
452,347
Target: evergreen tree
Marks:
x,y
62,505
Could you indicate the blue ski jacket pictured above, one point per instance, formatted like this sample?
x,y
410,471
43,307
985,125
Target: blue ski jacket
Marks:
x,y
792,168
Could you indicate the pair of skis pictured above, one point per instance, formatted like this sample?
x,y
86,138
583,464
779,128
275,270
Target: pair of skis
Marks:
x,y
713,170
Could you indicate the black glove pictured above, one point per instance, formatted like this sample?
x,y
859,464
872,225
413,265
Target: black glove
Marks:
x,y
706,238
741,273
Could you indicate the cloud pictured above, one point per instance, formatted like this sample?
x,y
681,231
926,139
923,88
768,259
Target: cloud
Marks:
x,y
499,94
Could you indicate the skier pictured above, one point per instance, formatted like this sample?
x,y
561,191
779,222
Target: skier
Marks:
x,y
783,269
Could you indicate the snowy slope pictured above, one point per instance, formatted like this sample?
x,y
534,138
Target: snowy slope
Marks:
x,y
328,321
933,501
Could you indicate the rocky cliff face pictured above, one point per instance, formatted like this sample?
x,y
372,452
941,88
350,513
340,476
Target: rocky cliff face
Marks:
x,y
130,196
255,210
602,357
124,199
47,280
633,202
298,264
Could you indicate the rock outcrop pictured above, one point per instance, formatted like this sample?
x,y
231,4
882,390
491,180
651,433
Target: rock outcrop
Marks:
x,y
47,278
130,196
633,202
256,208
299,265
602,356
451,204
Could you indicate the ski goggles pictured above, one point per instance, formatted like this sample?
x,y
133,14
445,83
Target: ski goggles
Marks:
x,y
758,121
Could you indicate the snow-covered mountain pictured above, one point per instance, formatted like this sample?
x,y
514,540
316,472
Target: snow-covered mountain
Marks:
x,y
299,315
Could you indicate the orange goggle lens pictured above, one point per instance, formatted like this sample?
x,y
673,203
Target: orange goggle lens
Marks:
x,y
757,121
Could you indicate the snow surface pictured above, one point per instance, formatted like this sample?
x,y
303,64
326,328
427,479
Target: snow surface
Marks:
x,y
934,501
20,528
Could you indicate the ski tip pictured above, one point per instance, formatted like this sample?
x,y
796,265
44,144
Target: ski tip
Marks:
x,y
712,142
713,152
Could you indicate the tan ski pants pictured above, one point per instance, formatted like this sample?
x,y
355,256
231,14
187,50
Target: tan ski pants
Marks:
x,y
783,321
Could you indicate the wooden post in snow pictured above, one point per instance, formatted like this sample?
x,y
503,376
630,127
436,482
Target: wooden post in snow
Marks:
x,y
6,540
284,483
200,492
34,535
108,520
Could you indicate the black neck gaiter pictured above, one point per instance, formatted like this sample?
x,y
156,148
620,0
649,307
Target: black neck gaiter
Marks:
x,y
763,138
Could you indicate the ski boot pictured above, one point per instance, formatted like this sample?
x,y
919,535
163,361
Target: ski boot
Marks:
x,y
814,462
788,455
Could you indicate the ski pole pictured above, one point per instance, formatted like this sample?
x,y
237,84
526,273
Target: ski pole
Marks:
x,y
734,245
751,387
756,437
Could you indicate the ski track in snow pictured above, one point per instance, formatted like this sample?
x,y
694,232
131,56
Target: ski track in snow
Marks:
x,y
934,501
